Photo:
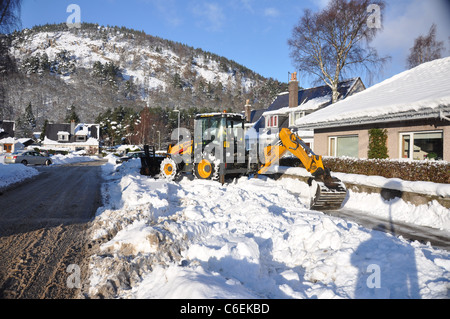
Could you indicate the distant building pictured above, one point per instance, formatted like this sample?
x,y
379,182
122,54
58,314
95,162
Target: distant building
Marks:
x,y
72,137
7,129
10,145
290,106
413,107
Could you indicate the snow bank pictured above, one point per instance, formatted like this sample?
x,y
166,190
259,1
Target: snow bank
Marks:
x,y
72,158
431,215
252,238
14,173
427,188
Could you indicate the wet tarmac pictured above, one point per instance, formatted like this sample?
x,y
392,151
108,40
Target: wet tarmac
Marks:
x,y
435,237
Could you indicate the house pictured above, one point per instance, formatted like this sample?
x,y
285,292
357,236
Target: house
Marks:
x,y
295,104
413,107
7,129
10,145
72,137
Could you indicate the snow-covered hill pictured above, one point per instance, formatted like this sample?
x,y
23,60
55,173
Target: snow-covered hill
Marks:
x,y
152,62
95,68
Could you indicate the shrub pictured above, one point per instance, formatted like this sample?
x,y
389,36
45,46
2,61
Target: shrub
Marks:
x,y
377,143
428,171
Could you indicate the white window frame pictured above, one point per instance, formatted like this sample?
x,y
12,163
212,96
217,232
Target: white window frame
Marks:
x,y
411,137
63,137
292,117
335,139
332,138
269,121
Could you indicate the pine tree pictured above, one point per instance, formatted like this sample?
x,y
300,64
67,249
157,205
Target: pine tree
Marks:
x,y
26,122
30,120
44,131
72,115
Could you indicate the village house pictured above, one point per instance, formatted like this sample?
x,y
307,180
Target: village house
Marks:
x,y
413,107
72,137
295,104
8,144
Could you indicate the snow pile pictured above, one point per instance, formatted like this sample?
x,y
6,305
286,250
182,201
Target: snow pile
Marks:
x,y
252,238
14,173
427,188
59,159
431,215
397,210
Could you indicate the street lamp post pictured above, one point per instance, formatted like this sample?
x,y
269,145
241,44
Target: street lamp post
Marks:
x,y
159,140
178,131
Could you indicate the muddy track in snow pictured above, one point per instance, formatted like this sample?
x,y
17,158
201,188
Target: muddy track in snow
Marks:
x,y
43,225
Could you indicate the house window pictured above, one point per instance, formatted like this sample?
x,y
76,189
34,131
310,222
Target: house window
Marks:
x,y
294,116
63,137
343,146
8,148
81,138
422,145
272,121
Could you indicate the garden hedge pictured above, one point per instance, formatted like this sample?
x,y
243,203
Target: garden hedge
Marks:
x,y
428,171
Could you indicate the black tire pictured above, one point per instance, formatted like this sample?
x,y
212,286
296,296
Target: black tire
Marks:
x,y
24,162
48,162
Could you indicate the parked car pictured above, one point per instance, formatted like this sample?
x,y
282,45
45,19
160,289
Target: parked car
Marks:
x,y
129,156
27,157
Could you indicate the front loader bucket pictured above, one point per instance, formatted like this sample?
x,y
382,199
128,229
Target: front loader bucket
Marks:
x,y
328,194
150,163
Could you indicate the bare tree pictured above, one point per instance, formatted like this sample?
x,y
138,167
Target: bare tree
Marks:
x,y
9,15
328,43
9,19
425,49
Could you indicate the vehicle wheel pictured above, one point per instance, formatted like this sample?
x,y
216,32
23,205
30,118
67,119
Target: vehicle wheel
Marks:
x,y
204,170
168,169
48,162
24,162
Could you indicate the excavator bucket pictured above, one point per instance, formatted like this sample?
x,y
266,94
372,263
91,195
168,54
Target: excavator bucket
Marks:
x,y
327,193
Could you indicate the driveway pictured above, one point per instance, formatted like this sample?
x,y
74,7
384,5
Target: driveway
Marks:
x,y
43,224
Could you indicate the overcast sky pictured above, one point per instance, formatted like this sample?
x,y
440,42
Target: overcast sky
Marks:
x,y
253,33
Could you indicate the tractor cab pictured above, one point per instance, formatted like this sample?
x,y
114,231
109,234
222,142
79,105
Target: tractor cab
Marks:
x,y
219,145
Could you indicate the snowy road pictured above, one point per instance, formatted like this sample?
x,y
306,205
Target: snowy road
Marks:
x,y
437,238
251,238
42,230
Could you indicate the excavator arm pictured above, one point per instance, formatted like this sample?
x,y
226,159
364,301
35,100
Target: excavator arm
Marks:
x,y
291,142
327,192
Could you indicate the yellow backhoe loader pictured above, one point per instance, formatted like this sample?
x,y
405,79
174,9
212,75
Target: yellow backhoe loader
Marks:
x,y
220,148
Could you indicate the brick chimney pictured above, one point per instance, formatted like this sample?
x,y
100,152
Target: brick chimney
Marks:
x,y
293,90
72,127
248,111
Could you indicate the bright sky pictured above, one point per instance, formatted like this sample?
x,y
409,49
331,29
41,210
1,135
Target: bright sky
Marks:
x,y
253,33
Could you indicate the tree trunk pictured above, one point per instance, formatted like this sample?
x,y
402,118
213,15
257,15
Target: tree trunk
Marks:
x,y
335,93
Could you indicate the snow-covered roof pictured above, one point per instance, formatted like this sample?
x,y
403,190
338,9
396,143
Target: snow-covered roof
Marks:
x,y
82,130
9,140
307,105
422,92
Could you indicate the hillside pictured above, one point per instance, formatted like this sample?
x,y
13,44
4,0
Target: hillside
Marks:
x,y
97,68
